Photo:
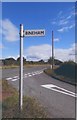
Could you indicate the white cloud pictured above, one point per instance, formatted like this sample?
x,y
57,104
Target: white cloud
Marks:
x,y
38,52
69,17
63,29
44,52
9,30
56,39
64,54
61,19
72,26
64,22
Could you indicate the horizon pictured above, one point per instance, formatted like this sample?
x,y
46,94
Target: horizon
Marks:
x,y
37,60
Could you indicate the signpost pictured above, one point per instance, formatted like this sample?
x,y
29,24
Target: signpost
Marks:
x,y
25,33
21,69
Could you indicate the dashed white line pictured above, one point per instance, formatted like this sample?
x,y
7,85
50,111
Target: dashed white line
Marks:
x,y
14,79
25,75
33,74
30,75
8,78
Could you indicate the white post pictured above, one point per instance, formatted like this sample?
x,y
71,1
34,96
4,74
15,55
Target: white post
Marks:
x,y
21,69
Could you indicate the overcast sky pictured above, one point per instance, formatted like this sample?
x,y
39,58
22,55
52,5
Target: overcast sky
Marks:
x,y
56,16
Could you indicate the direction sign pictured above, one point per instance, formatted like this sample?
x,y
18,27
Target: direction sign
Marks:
x,y
34,33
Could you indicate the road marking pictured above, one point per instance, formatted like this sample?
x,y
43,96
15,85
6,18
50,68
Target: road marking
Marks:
x,y
40,72
34,73
30,75
15,79
59,89
8,78
26,75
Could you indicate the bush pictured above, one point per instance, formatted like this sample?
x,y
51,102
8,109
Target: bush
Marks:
x,y
66,72
67,69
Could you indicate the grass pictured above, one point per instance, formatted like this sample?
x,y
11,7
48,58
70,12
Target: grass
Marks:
x,y
66,72
31,107
8,66
17,66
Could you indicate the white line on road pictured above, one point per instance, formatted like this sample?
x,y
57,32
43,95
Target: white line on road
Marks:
x,y
29,75
8,78
26,75
35,73
59,89
40,72
14,79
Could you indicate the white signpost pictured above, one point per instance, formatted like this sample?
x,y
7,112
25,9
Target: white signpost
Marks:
x,y
25,33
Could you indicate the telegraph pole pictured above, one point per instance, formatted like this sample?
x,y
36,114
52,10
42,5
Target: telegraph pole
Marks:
x,y
21,69
52,50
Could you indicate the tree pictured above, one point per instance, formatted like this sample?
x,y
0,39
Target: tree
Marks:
x,y
56,62
41,61
9,61
50,60
18,60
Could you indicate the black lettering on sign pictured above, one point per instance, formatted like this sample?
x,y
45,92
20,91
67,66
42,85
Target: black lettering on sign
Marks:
x,y
35,33
30,32
42,32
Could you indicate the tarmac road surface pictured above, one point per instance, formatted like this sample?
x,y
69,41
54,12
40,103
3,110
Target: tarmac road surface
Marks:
x,y
57,97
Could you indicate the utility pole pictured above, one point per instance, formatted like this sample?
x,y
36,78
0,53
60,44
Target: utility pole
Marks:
x,y
21,69
52,50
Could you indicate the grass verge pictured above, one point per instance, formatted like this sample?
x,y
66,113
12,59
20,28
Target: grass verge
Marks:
x,y
8,66
26,65
60,77
10,104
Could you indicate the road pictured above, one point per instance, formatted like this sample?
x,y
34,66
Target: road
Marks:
x,y
57,97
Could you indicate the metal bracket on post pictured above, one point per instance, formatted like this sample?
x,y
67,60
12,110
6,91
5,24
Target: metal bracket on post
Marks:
x,y
21,69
